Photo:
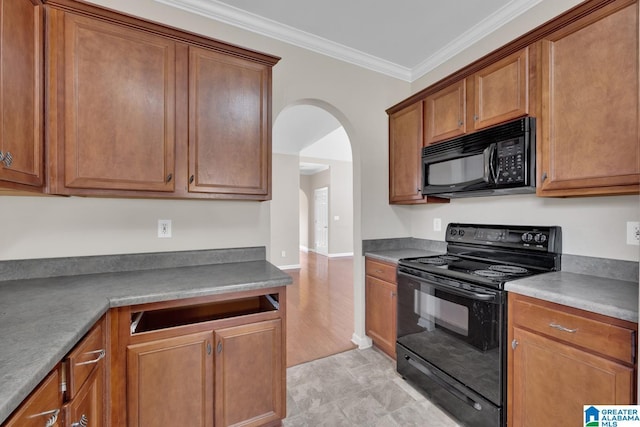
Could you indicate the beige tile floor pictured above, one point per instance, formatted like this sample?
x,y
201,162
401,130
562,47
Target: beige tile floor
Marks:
x,y
356,388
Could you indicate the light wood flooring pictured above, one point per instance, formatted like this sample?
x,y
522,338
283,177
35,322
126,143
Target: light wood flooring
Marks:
x,y
319,308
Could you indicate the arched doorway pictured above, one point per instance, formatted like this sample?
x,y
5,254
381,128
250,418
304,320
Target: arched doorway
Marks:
x,y
312,173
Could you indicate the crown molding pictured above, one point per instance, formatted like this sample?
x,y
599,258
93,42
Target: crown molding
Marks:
x,y
239,18
485,27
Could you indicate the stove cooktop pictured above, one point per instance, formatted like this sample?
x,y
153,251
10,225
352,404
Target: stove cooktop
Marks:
x,y
492,254
482,271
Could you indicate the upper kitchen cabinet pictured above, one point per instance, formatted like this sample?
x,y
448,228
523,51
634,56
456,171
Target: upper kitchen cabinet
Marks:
x,y
405,145
113,107
21,94
500,91
405,156
445,113
137,109
229,125
588,127
495,94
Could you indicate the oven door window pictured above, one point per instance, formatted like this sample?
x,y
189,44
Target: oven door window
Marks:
x,y
432,311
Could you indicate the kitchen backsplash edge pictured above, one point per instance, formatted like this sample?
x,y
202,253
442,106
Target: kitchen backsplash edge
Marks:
x,y
72,266
600,267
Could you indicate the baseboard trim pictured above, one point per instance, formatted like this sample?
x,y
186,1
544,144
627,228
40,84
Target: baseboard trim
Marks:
x,y
345,254
304,248
289,267
361,342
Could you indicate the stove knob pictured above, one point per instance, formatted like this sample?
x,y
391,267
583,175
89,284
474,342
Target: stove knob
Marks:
x,y
527,237
461,233
453,232
540,238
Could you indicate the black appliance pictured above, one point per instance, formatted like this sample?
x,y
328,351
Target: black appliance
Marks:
x,y
495,161
452,315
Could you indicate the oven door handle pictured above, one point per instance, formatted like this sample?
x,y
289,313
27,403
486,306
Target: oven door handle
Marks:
x,y
477,296
444,384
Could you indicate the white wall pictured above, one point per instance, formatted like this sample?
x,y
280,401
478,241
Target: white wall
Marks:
x,y
586,222
285,210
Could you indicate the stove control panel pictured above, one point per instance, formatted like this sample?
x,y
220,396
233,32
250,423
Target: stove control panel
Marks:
x,y
536,238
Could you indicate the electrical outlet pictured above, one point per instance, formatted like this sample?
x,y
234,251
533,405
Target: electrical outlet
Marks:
x,y
633,233
164,228
437,224
284,254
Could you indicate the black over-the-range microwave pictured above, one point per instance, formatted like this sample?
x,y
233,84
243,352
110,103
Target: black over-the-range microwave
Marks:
x,y
494,161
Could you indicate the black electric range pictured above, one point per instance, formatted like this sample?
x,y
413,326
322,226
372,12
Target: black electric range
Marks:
x,y
451,315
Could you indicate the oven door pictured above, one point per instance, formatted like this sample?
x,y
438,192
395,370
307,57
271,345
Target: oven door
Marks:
x,y
456,327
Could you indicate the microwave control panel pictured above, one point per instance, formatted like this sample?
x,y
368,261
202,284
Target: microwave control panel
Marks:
x,y
511,161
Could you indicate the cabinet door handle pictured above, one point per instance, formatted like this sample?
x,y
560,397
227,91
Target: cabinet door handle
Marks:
x,y
169,177
219,347
7,158
53,417
393,294
84,422
208,347
378,271
191,178
562,328
101,353
544,177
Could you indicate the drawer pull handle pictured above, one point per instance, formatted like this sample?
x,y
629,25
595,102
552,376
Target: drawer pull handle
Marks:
x,y
562,328
378,271
101,353
84,422
51,421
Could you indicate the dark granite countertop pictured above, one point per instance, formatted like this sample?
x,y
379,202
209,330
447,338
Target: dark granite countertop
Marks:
x,y
395,255
41,319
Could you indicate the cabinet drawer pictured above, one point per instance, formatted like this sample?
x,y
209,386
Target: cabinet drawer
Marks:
x,y
601,337
42,407
381,270
84,359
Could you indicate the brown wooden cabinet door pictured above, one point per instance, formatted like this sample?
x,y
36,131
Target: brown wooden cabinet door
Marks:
x,y
501,91
21,112
380,313
554,380
170,381
588,132
250,374
88,406
114,124
229,125
405,155
445,113
43,407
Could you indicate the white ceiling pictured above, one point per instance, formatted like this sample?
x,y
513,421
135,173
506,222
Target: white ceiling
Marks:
x,y
403,38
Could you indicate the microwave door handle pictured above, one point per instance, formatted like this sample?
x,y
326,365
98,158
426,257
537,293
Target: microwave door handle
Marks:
x,y
491,172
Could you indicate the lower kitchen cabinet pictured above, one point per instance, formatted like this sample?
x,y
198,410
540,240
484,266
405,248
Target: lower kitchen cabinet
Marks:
x,y
249,379
171,380
380,304
88,408
216,360
563,358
